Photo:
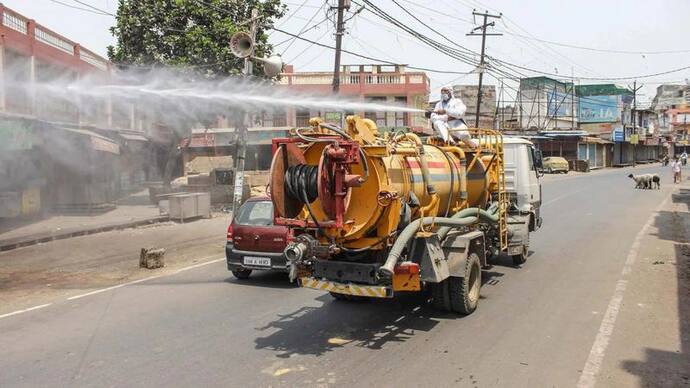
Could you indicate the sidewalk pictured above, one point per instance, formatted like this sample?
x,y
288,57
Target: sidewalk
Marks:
x,y
132,211
650,345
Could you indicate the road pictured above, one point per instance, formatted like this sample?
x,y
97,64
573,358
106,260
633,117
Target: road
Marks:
x,y
535,326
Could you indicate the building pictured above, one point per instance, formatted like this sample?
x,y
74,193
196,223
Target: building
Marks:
x,y
57,150
670,105
546,104
487,112
371,82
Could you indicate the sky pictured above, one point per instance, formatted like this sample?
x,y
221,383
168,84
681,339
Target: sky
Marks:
x,y
633,25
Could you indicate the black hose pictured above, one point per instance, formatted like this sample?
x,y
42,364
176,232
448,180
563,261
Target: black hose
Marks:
x,y
301,182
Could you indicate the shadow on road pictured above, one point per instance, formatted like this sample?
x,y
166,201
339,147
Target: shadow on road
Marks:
x,y
266,279
664,368
369,324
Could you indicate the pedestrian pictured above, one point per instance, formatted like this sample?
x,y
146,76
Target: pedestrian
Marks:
x,y
447,118
675,167
684,158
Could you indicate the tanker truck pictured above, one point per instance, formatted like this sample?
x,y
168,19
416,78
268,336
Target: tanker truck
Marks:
x,y
373,214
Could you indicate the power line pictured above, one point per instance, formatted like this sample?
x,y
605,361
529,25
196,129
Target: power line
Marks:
x,y
305,29
598,49
368,57
94,8
90,9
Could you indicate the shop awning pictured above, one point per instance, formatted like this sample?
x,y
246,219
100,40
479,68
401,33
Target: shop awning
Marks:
x,y
132,136
98,142
595,140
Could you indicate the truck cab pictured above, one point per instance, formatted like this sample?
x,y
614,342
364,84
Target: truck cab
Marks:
x,y
522,171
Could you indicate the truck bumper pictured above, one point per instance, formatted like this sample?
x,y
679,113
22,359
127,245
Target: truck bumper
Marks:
x,y
347,289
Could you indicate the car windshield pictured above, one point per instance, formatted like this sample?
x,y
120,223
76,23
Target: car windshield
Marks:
x,y
257,213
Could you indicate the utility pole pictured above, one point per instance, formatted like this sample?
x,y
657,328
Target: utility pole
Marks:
x,y
482,63
633,119
242,122
339,32
572,99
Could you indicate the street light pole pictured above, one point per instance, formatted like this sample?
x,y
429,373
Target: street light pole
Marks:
x,y
242,122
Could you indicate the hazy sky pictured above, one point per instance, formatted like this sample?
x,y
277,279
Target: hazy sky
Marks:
x,y
633,25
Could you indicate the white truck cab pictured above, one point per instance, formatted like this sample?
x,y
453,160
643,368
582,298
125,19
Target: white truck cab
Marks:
x,y
522,168
522,164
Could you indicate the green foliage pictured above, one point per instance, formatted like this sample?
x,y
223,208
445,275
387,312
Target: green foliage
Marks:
x,y
191,34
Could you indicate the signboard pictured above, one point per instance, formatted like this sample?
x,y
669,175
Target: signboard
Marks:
x,y
597,109
559,104
618,135
634,138
203,140
239,182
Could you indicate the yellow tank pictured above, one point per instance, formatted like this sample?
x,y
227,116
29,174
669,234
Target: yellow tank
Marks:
x,y
406,180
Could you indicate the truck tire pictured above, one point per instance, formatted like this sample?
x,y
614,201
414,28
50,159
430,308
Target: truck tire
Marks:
x,y
521,258
242,274
439,295
463,291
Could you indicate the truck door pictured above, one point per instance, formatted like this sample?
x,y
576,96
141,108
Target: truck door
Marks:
x,y
535,162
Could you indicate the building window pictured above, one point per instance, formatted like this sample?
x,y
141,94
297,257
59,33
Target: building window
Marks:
x,y
302,118
274,119
378,117
400,117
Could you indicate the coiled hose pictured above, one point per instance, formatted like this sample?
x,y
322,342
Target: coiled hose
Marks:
x,y
462,218
301,183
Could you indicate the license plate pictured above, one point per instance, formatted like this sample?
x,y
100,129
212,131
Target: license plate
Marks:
x,y
258,261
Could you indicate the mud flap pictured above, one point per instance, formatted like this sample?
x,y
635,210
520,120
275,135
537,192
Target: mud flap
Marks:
x,y
433,265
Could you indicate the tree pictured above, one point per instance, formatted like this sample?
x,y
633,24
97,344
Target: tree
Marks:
x,y
192,37
190,33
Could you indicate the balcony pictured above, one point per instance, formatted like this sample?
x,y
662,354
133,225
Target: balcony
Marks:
x,y
326,78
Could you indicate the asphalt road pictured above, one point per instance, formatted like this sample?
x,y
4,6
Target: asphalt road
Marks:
x,y
535,325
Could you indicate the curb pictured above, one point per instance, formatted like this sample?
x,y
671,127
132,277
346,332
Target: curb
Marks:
x,y
18,242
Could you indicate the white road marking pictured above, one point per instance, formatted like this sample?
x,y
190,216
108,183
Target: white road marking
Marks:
x,y
118,286
145,279
588,378
24,311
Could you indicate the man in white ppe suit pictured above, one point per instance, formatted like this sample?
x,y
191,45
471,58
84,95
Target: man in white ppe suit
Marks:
x,y
447,118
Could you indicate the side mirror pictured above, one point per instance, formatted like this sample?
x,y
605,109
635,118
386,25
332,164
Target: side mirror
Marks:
x,y
538,159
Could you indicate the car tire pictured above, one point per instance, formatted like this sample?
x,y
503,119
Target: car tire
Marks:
x,y
242,274
565,172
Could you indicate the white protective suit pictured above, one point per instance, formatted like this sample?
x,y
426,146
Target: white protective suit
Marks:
x,y
451,123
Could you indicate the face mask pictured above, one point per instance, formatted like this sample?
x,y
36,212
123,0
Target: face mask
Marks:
x,y
445,96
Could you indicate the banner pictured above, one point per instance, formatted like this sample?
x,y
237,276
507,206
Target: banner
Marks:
x,y
597,109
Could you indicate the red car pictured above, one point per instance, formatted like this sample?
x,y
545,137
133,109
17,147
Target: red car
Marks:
x,y
254,243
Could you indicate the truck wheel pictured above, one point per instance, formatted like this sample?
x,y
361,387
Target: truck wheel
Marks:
x,y
440,297
521,258
242,274
463,291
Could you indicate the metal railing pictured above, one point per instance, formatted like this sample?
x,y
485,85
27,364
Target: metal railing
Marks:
x,y
14,22
93,60
55,41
